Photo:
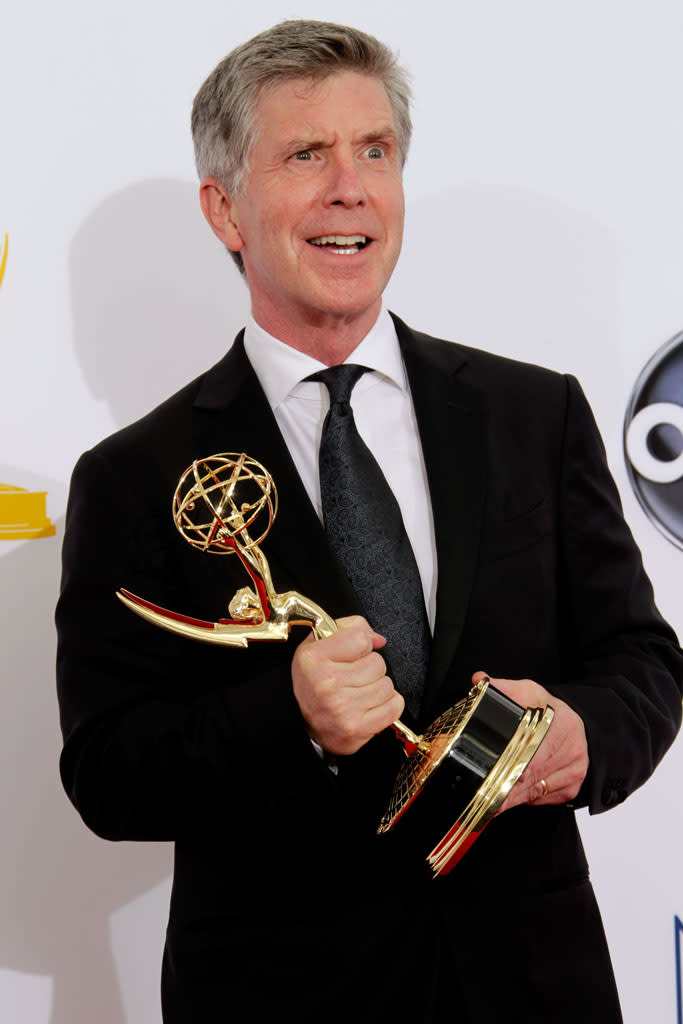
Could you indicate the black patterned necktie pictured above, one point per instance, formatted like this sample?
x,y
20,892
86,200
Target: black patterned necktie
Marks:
x,y
365,530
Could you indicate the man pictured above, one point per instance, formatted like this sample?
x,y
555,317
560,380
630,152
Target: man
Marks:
x,y
285,903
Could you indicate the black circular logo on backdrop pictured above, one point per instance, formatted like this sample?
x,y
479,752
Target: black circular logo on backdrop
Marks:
x,y
653,439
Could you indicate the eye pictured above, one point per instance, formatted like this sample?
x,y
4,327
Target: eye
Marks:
x,y
303,154
375,152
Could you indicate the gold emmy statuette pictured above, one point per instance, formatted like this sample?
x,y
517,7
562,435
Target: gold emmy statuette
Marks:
x,y
480,746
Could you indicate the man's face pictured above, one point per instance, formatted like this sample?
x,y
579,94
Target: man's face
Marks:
x,y
320,222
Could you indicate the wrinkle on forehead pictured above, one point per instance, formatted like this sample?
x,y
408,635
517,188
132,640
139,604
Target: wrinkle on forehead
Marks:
x,y
312,91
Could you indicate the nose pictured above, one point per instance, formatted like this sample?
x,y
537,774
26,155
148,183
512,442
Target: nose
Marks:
x,y
345,185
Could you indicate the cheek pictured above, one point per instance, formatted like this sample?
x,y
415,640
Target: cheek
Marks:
x,y
275,260
276,231
394,228
399,214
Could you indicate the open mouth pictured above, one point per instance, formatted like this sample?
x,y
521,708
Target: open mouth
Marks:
x,y
341,245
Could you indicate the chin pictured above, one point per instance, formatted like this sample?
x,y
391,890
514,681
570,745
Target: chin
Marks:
x,y
349,301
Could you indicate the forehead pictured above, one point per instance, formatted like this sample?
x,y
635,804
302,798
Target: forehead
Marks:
x,y
342,101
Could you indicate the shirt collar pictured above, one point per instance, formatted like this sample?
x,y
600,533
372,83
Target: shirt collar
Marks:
x,y
281,369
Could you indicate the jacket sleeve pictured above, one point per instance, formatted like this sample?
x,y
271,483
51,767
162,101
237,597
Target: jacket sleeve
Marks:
x,y
164,738
625,668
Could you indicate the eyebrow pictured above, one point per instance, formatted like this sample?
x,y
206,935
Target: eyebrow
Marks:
x,y
299,145
382,134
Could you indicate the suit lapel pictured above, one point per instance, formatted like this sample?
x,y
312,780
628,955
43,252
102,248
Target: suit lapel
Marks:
x,y
231,413
451,420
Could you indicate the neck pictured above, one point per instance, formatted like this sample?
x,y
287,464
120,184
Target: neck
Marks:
x,y
330,339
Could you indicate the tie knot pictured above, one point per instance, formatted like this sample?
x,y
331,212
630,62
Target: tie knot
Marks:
x,y
340,380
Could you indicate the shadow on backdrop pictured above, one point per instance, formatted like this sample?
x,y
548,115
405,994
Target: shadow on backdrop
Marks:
x,y
58,884
155,301
155,297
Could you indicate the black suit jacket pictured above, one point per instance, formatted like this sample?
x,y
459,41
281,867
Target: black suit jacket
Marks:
x,y
284,900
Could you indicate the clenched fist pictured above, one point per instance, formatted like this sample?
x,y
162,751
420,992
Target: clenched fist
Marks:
x,y
342,688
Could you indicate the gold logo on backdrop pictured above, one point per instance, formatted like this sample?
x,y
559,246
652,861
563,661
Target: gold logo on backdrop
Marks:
x,y
3,258
22,512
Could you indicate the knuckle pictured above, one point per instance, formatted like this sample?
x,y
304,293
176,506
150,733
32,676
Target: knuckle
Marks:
x,y
325,687
376,664
349,729
398,704
387,689
307,658
363,645
353,622
335,703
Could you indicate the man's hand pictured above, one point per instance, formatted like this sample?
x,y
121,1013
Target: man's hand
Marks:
x,y
342,688
561,761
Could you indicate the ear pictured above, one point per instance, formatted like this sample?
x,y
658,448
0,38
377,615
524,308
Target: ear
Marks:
x,y
218,208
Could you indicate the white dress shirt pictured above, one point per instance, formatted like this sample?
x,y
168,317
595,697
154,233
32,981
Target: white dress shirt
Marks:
x,y
384,414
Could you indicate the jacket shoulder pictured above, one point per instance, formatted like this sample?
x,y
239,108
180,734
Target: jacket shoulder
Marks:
x,y
497,374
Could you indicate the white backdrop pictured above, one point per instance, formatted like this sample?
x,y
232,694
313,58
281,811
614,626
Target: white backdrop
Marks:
x,y
545,221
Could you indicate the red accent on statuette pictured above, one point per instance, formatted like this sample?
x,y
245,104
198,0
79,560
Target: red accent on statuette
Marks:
x,y
408,746
263,597
217,525
462,850
239,622
445,839
407,805
202,623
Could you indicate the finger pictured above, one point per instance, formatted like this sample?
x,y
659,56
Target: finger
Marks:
x,y
364,673
551,791
525,692
358,622
339,688
353,640
532,792
343,727
376,695
533,786
380,716
557,771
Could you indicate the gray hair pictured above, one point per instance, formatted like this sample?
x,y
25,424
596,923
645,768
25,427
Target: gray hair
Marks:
x,y
224,109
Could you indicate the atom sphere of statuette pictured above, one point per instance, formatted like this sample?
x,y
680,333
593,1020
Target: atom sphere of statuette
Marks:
x,y
223,501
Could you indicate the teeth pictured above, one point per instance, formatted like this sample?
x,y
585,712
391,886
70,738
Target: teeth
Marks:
x,y
339,240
